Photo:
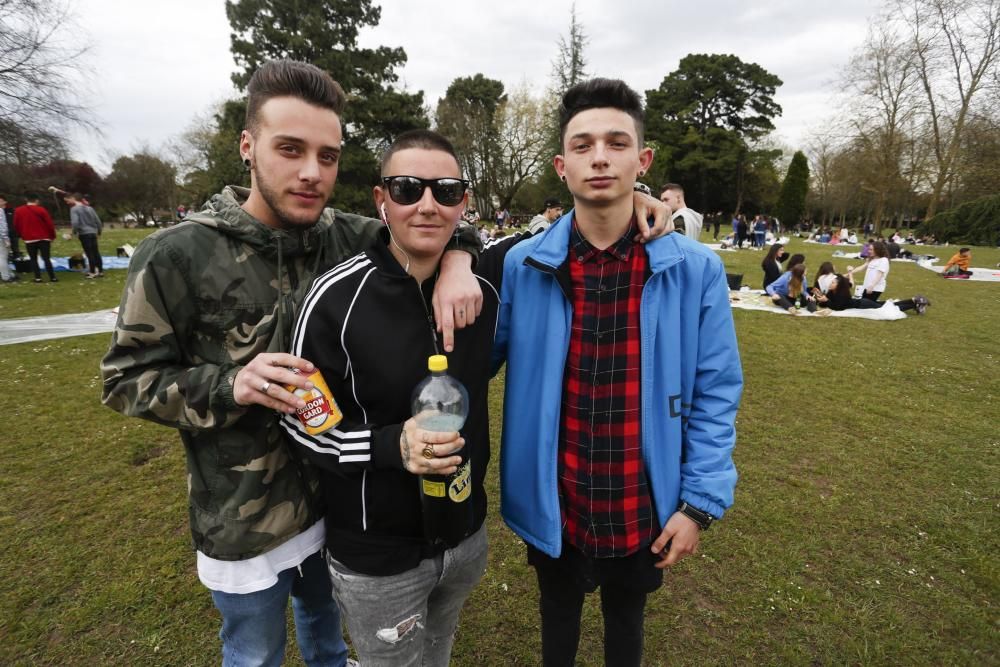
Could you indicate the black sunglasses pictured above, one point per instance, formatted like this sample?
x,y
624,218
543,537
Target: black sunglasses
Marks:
x,y
406,190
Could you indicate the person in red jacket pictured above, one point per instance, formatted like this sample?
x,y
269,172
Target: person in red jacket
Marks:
x,y
34,225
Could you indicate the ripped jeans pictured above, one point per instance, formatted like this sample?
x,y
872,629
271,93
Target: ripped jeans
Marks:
x,y
410,618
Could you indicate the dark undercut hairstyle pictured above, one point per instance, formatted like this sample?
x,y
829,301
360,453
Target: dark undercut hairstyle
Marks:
x,y
672,186
425,139
291,78
601,94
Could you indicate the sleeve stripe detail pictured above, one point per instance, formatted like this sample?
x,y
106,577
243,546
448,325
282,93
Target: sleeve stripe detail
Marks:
x,y
334,441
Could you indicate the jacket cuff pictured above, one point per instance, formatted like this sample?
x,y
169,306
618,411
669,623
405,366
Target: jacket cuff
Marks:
x,y
225,389
386,451
703,503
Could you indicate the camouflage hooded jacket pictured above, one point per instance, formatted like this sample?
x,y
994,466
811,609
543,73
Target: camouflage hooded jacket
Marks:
x,y
201,300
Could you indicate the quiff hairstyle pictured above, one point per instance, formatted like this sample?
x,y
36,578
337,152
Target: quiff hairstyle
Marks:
x,y
291,78
425,139
601,94
672,186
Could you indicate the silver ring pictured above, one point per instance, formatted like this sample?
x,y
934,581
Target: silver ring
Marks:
x,y
264,387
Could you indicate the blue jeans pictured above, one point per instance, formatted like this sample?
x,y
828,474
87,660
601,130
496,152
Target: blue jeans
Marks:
x,y
253,624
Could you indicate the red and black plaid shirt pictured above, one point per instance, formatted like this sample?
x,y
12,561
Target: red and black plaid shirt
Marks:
x,y
606,504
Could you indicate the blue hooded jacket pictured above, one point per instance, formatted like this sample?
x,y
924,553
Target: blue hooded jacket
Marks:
x,y
691,381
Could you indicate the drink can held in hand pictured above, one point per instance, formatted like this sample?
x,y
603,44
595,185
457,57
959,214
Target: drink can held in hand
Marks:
x,y
321,412
440,403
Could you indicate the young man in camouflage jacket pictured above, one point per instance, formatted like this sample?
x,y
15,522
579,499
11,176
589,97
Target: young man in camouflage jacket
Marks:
x,y
199,346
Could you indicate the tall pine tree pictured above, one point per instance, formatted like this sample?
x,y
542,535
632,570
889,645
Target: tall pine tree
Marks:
x,y
792,200
325,33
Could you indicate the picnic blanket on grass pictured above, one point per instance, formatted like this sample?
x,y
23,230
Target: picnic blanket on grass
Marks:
x,y
758,300
31,329
982,275
62,263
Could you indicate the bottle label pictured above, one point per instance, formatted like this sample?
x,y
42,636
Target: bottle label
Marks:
x,y
433,489
461,483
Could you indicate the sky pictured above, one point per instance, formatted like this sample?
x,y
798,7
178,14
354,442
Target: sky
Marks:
x,y
156,66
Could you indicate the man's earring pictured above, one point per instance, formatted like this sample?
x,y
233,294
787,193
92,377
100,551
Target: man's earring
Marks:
x,y
642,172
562,178
246,163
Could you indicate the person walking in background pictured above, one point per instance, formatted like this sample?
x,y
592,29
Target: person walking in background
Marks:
x,y
742,230
34,224
759,231
87,226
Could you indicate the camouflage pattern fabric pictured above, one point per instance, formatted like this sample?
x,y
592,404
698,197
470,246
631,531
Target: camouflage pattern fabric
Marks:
x,y
201,300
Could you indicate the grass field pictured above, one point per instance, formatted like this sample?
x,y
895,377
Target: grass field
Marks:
x,y
864,529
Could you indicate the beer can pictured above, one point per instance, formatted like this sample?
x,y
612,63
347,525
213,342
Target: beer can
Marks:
x,y
321,411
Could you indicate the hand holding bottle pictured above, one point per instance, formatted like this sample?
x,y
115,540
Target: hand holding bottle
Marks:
x,y
429,452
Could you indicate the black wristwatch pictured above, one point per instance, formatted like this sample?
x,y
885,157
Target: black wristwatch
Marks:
x,y
703,519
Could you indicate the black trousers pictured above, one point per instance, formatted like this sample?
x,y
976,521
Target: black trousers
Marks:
x,y
564,582
89,243
788,302
41,247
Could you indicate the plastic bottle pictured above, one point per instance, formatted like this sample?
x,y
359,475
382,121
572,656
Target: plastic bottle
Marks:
x,y
441,403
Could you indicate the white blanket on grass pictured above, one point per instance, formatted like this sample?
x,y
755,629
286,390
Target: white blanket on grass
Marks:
x,y
982,275
31,329
758,300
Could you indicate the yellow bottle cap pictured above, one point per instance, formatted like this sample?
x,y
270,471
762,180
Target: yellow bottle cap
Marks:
x,y
437,362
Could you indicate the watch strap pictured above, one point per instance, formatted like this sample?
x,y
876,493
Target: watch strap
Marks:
x,y
703,519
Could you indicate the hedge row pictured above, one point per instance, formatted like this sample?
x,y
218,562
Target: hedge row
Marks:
x,y
976,223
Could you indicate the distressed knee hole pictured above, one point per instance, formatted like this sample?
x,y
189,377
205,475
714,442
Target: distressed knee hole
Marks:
x,y
400,630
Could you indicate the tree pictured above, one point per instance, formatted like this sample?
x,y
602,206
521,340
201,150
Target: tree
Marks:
x,y
702,117
883,84
568,69
325,33
795,187
41,66
956,50
206,153
141,185
570,66
470,114
523,130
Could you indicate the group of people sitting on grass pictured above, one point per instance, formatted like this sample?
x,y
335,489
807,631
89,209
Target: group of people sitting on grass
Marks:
x,y
833,236
785,282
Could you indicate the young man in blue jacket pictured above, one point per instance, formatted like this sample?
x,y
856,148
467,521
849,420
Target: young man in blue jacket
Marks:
x,y
623,380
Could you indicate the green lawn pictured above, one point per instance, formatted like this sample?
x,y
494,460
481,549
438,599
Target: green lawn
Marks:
x,y
864,529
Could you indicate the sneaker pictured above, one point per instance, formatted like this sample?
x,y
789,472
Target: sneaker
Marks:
x,y
88,276
38,280
99,275
920,303
53,280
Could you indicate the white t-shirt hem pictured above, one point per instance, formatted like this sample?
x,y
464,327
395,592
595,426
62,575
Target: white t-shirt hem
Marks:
x,y
260,572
